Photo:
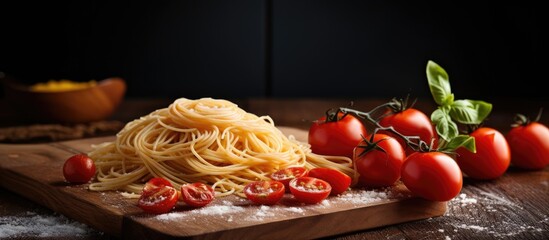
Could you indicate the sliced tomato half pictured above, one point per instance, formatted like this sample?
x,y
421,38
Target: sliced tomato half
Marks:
x,y
197,194
158,200
309,189
264,192
287,174
155,183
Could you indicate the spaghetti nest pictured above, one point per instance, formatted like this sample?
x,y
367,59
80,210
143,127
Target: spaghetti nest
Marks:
x,y
205,140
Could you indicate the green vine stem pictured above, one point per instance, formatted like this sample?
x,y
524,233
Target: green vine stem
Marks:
x,y
413,142
523,120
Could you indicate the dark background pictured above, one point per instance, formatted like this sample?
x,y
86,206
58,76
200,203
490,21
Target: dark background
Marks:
x,y
279,48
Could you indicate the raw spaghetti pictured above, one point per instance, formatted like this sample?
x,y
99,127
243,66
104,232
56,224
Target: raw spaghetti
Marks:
x,y
203,140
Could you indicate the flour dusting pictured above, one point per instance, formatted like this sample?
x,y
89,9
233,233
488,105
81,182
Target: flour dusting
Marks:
x,y
493,205
243,210
38,225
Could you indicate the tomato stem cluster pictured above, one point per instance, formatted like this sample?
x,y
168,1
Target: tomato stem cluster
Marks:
x,y
399,105
370,145
413,142
523,120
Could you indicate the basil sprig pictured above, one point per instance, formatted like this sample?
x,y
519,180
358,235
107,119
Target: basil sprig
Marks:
x,y
450,111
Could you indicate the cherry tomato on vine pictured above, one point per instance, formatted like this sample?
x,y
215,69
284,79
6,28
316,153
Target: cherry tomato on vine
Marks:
x,y
491,159
337,137
529,143
310,190
433,176
264,192
78,168
287,174
339,181
379,161
158,199
197,194
410,122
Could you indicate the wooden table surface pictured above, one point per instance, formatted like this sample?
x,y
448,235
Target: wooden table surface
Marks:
x,y
514,206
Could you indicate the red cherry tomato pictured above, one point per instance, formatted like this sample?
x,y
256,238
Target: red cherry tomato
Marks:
x,y
264,192
339,181
529,145
197,194
337,138
433,176
491,159
377,168
155,183
310,190
79,168
410,122
285,175
158,200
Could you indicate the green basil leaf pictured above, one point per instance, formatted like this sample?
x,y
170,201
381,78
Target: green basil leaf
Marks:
x,y
439,84
446,128
470,111
465,141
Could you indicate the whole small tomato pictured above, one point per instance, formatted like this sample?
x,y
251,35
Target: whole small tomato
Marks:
x,y
336,134
78,168
433,176
409,121
529,143
379,160
491,159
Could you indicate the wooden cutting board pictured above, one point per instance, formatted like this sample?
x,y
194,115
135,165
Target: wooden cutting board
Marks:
x,y
35,172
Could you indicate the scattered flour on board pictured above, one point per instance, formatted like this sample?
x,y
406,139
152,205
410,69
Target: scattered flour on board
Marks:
x,y
362,197
225,207
39,225
229,210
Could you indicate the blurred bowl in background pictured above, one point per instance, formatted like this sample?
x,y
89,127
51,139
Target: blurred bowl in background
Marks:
x,y
94,102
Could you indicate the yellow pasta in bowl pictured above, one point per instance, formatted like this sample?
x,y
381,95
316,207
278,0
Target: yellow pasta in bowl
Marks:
x,y
61,85
65,101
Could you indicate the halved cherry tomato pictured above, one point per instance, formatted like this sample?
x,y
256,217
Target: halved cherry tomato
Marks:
x,y
264,192
158,200
339,181
287,174
79,168
155,183
309,189
197,194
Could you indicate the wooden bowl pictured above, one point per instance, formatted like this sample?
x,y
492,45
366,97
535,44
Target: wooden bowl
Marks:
x,y
85,105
